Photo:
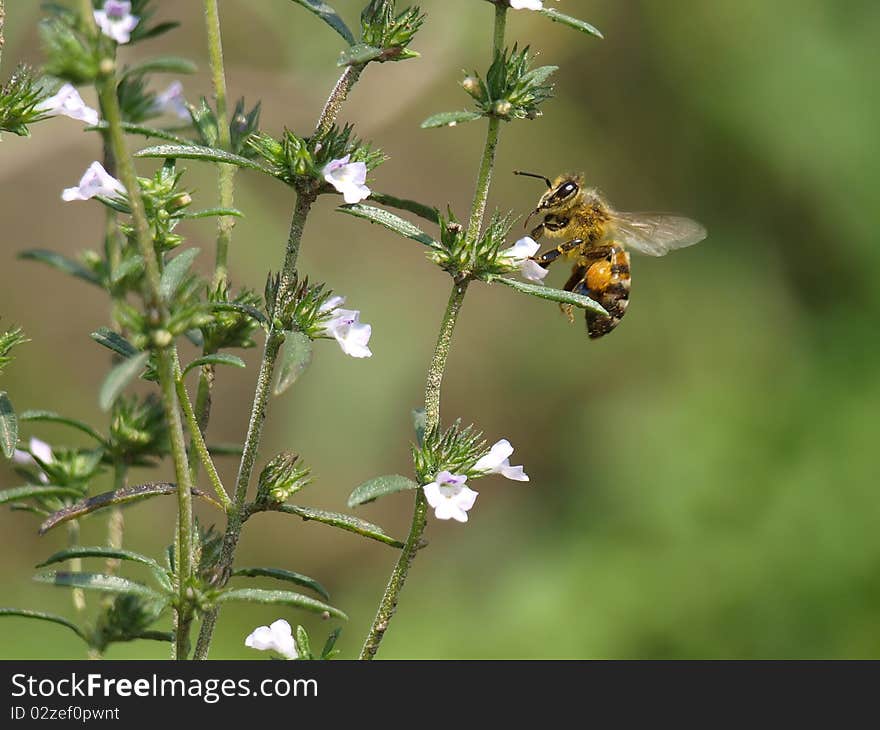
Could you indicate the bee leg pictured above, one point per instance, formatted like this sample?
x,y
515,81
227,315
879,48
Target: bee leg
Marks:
x,y
547,258
577,276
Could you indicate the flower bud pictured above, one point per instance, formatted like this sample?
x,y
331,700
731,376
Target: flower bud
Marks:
x,y
162,338
502,108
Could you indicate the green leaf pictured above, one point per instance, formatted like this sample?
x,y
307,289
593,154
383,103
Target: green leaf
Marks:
x,y
162,64
37,491
243,308
155,636
537,76
129,266
101,552
390,221
213,212
329,16
296,354
280,574
423,211
359,54
62,263
217,358
327,652
52,417
379,487
420,424
119,377
258,595
143,131
225,449
51,617
100,582
114,341
175,271
554,295
197,152
109,499
303,645
450,119
348,523
8,426
580,25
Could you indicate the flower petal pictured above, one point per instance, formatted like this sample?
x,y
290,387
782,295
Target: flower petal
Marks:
x,y
532,270
500,451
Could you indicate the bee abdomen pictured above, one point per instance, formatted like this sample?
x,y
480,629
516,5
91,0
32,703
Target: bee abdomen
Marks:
x,y
608,283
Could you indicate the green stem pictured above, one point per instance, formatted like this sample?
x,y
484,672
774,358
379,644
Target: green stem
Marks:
x,y
79,597
390,598
226,173
388,604
198,442
167,354
116,521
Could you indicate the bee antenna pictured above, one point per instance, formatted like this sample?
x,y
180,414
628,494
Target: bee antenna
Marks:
x,y
532,174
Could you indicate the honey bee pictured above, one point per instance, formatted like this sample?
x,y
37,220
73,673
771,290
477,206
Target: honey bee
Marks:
x,y
597,238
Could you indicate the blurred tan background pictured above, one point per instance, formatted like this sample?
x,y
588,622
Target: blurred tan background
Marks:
x,y
704,482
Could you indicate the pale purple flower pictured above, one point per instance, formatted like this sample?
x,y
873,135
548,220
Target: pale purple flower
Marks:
x,y
116,21
527,4
38,448
95,181
497,461
172,101
277,637
449,496
348,178
520,256
345,327
67,102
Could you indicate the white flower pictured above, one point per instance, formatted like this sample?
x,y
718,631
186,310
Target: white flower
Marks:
x,y
449,496
38,448
278,638
519,255
527,4
95,181
67,102
345,326
348,178
115,20
172,101
497,461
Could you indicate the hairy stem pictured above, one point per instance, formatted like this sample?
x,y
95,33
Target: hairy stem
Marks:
x,y
167,354
337,98
79,597
116,521
226,173
390,598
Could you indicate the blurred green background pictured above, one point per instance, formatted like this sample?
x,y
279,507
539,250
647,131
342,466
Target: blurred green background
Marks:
x,y
703,479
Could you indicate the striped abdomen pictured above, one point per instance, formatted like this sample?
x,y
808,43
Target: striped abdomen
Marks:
x,y
607,282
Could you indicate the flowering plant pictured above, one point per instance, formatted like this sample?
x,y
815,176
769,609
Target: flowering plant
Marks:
x,y
157,300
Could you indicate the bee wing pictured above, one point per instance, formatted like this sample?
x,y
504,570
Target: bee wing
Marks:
x,y
656,234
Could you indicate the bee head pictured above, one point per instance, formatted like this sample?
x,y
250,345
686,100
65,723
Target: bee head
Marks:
x,y
561,195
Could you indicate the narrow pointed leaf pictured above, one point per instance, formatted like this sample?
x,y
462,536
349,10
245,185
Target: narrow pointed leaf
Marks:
x,y
119,377
580,25
327,652
303,645
213,212
423,211
50,617
329,16
287,598
296,354
197,152
349,523
218,358
99,582
175,271
101,552
52,417
155,636
62,263
35,491
225,449
450,119
114,341
420,424
127,267
161,64
390,221
243,308
379,487
111,499
8,426
554,295
280,574
359,54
